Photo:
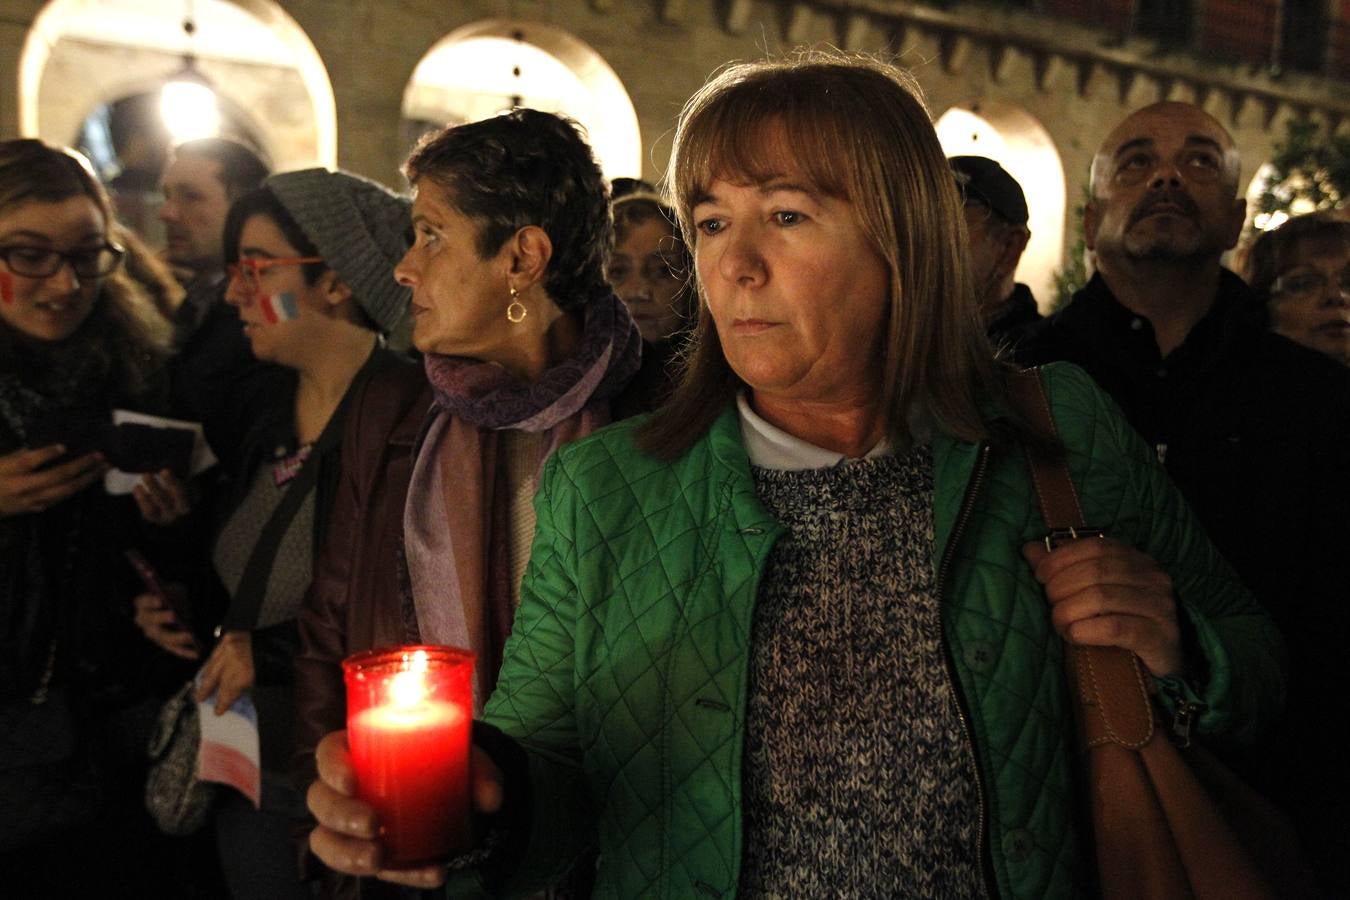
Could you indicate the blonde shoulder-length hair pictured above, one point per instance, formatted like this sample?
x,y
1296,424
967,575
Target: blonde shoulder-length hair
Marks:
x,y
856,129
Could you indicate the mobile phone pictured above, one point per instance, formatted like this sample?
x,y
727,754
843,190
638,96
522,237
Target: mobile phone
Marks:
x,y
80,430
150,578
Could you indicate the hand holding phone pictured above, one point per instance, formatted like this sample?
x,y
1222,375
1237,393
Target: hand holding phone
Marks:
x,y
162,613
30,483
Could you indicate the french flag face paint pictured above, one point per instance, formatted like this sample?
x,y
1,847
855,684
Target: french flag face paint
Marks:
x,y
278,308
6,288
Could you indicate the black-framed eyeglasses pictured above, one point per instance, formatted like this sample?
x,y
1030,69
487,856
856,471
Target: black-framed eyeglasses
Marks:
x,y
43,262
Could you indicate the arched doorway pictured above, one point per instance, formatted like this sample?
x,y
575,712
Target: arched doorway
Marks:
x,y
490,66
1021,145
80,56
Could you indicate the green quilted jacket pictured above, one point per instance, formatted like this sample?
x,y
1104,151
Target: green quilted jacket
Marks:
x,y
625,677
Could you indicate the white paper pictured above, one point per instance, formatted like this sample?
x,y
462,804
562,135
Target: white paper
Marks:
x,y
118,482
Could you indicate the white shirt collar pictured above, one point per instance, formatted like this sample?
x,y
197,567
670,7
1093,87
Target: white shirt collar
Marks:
x,y
770,447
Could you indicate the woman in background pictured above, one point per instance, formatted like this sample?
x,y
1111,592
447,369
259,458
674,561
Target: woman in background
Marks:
x,y
651,271
1302,270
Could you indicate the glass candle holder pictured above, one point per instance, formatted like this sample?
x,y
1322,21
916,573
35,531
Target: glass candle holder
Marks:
x,y
409,711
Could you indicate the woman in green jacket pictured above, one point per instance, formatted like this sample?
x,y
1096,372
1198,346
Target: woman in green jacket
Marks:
x,y
794,634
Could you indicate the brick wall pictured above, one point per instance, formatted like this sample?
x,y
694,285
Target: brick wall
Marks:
x,y
1237,29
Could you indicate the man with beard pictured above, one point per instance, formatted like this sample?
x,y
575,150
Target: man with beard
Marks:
x,y
996,223
216,379
1252,427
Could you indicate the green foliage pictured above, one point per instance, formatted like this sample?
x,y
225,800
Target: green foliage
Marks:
x,y
1309,166
1071,277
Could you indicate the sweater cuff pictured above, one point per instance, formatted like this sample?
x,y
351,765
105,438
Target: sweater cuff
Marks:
x,y
504,834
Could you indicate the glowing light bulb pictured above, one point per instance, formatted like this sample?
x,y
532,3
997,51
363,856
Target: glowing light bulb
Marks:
x,y
189,110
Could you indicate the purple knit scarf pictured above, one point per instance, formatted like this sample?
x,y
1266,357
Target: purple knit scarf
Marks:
x,y
568,400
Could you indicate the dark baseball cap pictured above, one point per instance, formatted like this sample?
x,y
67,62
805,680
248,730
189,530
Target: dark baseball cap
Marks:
x,y
983,179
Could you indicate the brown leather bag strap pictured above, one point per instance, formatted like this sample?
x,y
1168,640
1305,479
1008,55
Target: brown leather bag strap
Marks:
x,y
1049,473
1109,683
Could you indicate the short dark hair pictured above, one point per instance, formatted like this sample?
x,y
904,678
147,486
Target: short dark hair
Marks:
x,y
241,169
522,168
261,201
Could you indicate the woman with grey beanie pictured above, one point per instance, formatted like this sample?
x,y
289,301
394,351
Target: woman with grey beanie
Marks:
x,y
312,280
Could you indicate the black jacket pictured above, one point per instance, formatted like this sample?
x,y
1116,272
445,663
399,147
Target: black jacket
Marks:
x,y
1017,315
216,379
1255,431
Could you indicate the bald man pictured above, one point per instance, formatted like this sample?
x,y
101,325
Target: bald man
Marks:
x,y
1254,429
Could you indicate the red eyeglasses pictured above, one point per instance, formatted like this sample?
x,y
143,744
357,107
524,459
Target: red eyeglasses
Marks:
x,y
250,268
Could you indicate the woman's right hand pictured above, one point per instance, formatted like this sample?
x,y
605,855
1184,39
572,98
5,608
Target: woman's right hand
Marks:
x,y
25,487
158,623
347,836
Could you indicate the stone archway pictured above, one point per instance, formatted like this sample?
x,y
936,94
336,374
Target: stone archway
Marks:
x,y
1013,137
488,66
80,54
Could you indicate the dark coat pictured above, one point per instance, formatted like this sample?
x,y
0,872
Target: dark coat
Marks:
x,y
1255,431
77,679
360,557
1018,314
219,382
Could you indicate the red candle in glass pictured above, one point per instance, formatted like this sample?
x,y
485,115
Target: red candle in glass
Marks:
x,y
408,715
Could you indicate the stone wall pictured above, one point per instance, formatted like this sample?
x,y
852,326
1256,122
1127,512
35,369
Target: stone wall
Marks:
x,y
1074,80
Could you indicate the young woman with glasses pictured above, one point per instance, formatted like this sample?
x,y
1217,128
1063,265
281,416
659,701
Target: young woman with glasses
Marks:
x,y
77,339
312,280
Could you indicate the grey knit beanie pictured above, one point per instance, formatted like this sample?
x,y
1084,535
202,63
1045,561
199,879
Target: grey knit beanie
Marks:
x,y
360,228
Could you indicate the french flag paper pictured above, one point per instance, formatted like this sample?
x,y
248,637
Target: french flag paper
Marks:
x,y
279,307
229,749
6,288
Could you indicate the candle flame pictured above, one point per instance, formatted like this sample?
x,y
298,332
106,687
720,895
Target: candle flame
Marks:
x,y
409,687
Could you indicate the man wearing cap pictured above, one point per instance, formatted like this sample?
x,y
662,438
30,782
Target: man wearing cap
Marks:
x,y
1253,428
996,223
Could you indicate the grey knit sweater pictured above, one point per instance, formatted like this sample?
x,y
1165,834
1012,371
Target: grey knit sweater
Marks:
x,y
858,773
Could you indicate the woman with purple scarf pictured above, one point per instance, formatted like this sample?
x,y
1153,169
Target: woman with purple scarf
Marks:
x,y
526,347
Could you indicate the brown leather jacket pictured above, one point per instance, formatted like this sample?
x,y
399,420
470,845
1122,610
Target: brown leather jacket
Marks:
x,y
358,558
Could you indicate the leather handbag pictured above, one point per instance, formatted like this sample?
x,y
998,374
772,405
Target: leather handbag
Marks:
x,y
1160,829
176,799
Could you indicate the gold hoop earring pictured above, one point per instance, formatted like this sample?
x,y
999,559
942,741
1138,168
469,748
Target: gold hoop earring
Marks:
x,y
515,310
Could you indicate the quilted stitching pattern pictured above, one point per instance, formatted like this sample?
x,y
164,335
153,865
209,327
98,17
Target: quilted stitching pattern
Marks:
x,y
629,650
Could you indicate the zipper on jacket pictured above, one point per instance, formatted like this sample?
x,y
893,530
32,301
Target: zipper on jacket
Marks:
x,y
958,528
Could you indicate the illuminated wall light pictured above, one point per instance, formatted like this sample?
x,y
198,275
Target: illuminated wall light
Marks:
x,y
189,109
187,104
1268,221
